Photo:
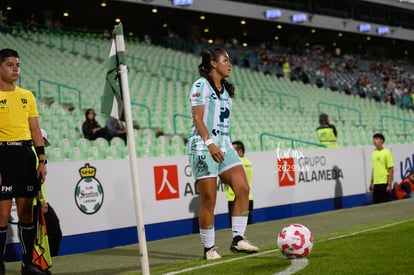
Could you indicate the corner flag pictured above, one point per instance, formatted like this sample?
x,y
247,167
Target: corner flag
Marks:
x,y
117,103
112,102
41,250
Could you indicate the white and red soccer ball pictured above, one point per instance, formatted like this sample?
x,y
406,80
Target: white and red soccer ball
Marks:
x,y
295,241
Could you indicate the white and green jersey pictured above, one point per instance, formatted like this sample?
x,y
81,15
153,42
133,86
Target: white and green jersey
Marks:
x,y
216,116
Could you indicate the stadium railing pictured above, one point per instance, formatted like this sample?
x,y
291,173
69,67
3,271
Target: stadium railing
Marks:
x,y
293,141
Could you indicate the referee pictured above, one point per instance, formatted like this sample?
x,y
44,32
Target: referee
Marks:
x,y
19,178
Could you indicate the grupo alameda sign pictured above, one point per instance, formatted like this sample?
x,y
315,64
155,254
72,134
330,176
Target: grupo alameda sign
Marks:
x,y
319,170
293,167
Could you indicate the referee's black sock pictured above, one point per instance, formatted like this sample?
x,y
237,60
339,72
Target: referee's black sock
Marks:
x,y
26,236
3,239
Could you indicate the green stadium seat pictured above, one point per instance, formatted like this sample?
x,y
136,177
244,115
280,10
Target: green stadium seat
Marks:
x,y
101,142
78,154
83,143
96,153
167,96
56,155
116,152
117,141
74,134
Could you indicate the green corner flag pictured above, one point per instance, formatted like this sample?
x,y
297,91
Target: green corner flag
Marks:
x,y
112,103
116,93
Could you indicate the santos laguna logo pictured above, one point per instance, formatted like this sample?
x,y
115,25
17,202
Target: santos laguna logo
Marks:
x,y
88,192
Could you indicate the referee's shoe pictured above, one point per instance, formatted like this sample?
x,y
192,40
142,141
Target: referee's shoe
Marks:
x,y
33,270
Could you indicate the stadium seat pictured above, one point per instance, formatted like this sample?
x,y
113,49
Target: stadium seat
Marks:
x,y
166,96
101,142
55,134
143,151
96,153
83,143
56,155
74,134
117,141
47,125
65,145
78,154
116,152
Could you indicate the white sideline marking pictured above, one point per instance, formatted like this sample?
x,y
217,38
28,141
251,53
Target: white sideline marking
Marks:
x,y
213,263
294,262
295,266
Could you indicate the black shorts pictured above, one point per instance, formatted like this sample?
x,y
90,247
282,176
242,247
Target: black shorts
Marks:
x,y
380,193
18,172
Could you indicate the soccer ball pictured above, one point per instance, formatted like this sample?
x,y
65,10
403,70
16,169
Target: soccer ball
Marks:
x,y
295,241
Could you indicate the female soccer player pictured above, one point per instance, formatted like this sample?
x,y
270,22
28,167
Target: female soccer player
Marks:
x,y
211,153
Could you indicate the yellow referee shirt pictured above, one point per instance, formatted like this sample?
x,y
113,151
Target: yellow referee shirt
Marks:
x,y
16,107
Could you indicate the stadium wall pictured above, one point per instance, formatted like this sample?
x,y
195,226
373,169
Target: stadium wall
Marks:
x,y
94,199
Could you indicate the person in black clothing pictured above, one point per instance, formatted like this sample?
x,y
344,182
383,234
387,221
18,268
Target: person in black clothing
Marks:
x,y
91,128
115,128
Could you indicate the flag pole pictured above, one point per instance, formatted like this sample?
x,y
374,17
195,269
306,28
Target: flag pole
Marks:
x,y
123,70
116,102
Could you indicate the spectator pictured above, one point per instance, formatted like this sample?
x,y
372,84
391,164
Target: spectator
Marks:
x,y
303,76
107,34
319,82
286,67
382,170
389,98
248,167
407,101
362,84
405,189
115,128
90,127
326,132
31,23
400,90
390,87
